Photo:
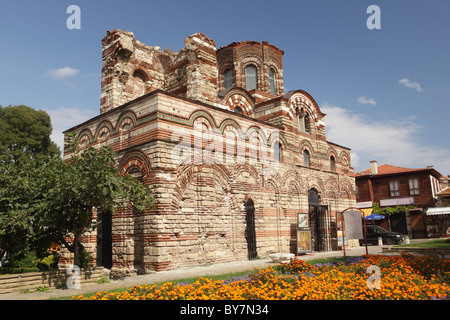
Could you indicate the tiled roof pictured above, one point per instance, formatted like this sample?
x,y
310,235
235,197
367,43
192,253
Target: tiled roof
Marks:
x,y
385,169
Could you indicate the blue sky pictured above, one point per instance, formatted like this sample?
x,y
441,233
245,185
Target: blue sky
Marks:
x,y
385,91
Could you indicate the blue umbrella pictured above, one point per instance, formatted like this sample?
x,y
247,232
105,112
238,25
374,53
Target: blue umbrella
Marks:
x,y
374,216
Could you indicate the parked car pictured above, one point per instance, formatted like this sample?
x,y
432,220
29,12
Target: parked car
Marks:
x,y
388,237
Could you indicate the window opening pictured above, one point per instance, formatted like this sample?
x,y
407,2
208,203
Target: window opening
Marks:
x,y
250,78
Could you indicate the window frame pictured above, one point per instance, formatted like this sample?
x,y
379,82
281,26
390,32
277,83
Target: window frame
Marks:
x,y
413,184
272,82
394,188
307,158
301,123
332,163
248,77
228,75
278,151
238,110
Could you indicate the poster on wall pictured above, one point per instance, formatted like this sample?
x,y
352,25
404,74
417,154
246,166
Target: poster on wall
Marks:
x,y
340,239
303,220
303,241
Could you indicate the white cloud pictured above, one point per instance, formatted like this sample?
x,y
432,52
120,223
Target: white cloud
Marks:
x,y
365,100
410,84
393,142
62,73
66,118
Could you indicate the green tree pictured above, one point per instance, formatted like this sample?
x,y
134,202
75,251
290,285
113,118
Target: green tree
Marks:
x,y
52,201
88,180
25,134
24,143
20,190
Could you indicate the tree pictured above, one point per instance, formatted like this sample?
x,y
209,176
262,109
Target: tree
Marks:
x,y
25,134
24,143
53,200
20,190
88,180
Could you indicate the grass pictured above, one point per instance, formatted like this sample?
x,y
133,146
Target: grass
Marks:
x,y
439,243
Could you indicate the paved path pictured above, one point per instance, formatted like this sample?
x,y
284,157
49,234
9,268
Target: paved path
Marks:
x,y
216,269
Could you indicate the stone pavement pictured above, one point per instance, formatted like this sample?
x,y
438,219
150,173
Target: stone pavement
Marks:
x,y
215,269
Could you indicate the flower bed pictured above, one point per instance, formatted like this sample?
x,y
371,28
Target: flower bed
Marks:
x,y
402,277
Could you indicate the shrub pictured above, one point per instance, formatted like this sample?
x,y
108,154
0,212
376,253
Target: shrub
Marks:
x,y
22,260
49,262
5,270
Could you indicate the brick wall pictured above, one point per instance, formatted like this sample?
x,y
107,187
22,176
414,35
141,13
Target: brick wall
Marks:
x,y
202,161
199,216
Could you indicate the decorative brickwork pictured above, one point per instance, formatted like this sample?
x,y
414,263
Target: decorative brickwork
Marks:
x,y
204,151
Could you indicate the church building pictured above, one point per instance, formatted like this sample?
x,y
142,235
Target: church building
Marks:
x,y
232,160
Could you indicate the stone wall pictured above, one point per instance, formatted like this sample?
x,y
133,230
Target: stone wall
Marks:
x,y
199,215
10,283
131,69
204,151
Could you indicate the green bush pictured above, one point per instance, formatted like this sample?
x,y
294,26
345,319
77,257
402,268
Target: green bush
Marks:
x,y
21,259
49,262
29,262
5,270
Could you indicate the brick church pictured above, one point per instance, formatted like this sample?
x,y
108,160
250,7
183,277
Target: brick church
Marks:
x,y
230,157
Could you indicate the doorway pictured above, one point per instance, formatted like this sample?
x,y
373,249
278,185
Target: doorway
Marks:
x,y
104,239
250,232
319,222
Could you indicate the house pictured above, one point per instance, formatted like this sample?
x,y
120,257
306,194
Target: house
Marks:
x,y
391,186
230,157
437,219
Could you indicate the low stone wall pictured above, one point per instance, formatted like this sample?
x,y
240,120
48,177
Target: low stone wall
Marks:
x,y
417,250
11,283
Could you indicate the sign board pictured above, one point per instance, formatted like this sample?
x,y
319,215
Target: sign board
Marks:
x,y
353,224
366,204
397,201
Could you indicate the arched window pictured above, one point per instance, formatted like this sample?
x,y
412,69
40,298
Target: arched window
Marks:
x,y
136,173
306,158
250,78
332,164
139,79
301,122
307,123
227,79
313,197
273,89
277,152
237,110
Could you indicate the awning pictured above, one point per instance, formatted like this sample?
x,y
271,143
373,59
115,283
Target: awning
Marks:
x,y
438,210
374,216
366,212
